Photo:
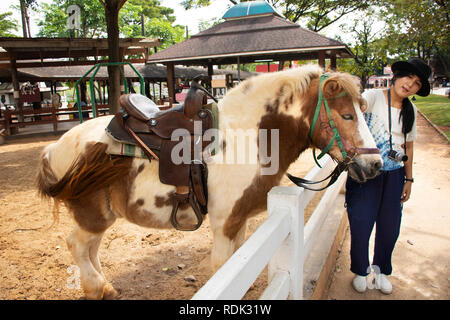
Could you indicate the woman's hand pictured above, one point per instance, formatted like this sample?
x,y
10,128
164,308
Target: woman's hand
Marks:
x,y
406,191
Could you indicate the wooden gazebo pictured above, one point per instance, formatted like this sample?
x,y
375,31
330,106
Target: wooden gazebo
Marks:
x,y
252,32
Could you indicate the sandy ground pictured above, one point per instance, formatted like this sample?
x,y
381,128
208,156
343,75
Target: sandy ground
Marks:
x,y
421,258
140,263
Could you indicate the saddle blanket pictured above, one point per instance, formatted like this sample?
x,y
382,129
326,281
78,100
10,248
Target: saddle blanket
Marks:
x,y
123,149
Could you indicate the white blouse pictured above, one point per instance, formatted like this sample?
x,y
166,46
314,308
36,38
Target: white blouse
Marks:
x,y
377,119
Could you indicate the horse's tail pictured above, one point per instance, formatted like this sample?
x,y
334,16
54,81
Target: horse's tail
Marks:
x,y
91,171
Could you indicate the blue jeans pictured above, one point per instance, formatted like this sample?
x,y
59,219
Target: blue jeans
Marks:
x,y
375,201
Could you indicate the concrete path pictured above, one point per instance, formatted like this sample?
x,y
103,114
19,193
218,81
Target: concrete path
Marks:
x,y
421,258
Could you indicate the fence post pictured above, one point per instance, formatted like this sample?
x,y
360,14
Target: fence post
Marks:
x,y
7,117
290,256
54,119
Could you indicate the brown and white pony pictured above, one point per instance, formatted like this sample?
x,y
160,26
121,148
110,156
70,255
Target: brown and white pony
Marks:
x,y
98,188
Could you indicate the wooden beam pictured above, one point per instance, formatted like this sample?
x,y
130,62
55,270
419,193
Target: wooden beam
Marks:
x,y
40,54
7,43
62,63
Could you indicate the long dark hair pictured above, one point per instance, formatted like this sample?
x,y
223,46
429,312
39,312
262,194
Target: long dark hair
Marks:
x,y
407,111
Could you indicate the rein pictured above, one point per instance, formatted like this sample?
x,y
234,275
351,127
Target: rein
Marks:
x,y
353,151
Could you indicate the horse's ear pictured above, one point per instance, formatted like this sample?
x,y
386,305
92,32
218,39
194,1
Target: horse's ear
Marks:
x,y
331,88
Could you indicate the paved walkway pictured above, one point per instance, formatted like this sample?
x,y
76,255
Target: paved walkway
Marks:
x,y
421,258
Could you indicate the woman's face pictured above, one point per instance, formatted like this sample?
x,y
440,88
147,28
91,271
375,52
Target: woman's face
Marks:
x,y
407,86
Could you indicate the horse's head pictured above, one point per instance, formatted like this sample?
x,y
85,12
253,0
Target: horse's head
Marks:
x,y
339,129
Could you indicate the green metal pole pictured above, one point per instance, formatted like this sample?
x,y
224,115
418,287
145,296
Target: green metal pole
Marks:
x,y
91,87
141,79
91,84
80,113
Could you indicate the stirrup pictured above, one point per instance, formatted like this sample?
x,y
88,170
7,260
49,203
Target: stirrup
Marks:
x,y
182,198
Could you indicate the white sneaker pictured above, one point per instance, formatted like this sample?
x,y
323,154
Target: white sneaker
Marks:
x,y
360,283
383,284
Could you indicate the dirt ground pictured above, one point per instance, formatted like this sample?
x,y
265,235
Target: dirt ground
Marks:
x,y
140,263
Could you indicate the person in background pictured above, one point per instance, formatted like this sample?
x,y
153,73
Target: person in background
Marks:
x,y
391,118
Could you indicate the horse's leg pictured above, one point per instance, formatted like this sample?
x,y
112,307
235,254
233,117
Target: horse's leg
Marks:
x,y
223,245
108,291
93,216
80,243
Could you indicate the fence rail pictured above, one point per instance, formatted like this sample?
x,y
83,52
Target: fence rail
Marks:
x,y
46,115
282,242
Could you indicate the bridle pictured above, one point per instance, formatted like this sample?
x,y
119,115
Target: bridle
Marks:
x,y
348,152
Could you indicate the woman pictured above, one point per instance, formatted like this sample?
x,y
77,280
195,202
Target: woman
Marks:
x,y
380,200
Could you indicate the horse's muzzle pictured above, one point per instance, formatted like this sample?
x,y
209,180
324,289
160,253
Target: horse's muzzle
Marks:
x,y
365,167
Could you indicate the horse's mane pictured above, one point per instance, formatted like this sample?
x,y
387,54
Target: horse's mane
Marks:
x,y
349,83
297,81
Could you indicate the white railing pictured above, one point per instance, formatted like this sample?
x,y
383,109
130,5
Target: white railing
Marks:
x,y
282,242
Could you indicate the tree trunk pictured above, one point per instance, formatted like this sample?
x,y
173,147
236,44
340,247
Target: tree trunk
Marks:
x,y
24,19
112,8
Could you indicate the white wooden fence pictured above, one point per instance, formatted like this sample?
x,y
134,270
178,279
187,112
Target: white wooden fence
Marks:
x,y
282,242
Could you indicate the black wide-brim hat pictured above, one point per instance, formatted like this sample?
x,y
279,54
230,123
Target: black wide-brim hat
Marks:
x,y
418,67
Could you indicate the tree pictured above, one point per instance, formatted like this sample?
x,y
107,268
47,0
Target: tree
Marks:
x,y
112,8
24,5
54,21
369,49
421,27
7,25
157,20
148,18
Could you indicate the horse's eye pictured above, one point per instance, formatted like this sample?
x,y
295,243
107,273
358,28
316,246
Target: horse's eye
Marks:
x,y
347,116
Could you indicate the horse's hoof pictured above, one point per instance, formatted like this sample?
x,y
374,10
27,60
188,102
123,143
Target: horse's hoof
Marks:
x,y
109,293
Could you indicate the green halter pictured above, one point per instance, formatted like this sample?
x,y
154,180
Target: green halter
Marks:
x,y
336,136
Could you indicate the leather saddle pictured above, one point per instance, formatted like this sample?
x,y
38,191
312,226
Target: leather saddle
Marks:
x,y
143,123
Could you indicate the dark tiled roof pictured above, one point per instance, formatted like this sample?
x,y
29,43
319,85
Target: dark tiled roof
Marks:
x,y
249,36
72,73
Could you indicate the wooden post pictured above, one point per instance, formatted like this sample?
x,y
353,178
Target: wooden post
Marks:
x,y
239,68
333,61
171,80
289,257
7,117
16,87
54,119
210,73
321,58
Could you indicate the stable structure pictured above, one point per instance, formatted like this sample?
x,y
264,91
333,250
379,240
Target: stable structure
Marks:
x,y
253,31
45,52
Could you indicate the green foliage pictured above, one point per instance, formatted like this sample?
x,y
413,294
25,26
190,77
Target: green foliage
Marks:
x,y
368,47
164,30
7,25
418,28
54,21
193,4
437,109
157,20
